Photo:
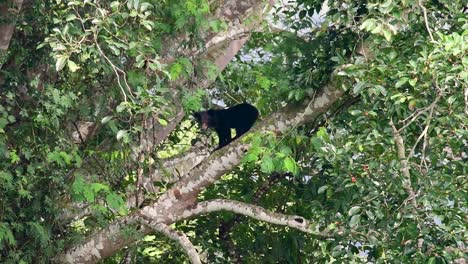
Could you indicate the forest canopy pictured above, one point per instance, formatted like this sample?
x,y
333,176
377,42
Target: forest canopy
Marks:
x,y
358,154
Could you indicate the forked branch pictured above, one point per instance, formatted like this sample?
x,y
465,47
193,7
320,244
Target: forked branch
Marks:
x,y
177,236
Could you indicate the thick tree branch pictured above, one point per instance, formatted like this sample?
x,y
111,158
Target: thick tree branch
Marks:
x,y
252,211
102,245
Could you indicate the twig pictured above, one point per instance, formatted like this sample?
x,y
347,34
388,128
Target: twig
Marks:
x,y
423,134
426,20
114,68
413,118
232,98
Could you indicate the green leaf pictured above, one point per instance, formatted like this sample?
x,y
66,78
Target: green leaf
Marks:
x,y
354,220
115,201
70,17
54,157
121,107
214,25
148,25
114,5
146,6
78,160
358,87
267,165
387,34
381,89
377,29
6,235
250,157
290,165
354,210
78,185
106,119
412,82
60,63
401,82
163,122
285,150
121,134
25,194
14,158
67,158
368,24
97,21
323,134
175,71
264,82
40,233
322,189
3,122
11,119
187,64
72,66
5,178
386,4
88,194
136,4
97,187
40,46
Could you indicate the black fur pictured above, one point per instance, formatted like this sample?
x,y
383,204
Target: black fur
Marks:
x,y
241,117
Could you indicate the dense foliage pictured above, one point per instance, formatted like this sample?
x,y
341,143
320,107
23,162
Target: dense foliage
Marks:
x,y
97,64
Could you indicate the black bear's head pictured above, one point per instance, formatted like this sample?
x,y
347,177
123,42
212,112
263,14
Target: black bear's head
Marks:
x,y
205,119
